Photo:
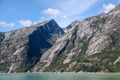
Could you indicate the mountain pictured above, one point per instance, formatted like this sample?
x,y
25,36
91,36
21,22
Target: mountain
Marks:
x,y
92,45
21,49
70,26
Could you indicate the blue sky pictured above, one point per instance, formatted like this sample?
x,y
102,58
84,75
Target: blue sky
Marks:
x,y
15,14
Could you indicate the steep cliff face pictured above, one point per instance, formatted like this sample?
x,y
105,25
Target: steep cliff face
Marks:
x,y
21,49
91,45
2,35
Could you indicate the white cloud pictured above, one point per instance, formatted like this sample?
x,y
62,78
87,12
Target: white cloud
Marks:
x,y
65,16
5,24
42,17
69,10
34,22
51,11
107,8
25,22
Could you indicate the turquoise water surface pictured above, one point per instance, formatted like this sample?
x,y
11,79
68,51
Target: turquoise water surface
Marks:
x,y
60,76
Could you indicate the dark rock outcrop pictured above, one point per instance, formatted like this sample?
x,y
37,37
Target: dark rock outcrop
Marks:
x,y
2,36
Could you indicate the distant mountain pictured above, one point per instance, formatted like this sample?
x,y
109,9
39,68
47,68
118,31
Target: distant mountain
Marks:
x,y
21,49
70,26
92,45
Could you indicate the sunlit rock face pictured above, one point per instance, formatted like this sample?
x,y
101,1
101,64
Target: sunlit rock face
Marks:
x,y
87,46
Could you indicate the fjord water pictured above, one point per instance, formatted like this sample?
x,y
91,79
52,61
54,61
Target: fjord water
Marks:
x,y
60,76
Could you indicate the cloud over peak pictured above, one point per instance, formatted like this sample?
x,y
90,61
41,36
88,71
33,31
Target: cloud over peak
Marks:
x,y
107,8
51,11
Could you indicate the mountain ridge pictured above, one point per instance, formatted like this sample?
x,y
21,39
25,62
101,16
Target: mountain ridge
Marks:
x,y
74,51
92,45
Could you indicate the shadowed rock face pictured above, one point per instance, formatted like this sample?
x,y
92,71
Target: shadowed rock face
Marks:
x,y
21,49
40,40
2,36
88,46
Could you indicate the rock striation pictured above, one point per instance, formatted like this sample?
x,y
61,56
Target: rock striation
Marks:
x,y
92,45
21,49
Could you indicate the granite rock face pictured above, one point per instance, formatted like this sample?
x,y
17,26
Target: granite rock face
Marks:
x,y
92,45
21,49
88,46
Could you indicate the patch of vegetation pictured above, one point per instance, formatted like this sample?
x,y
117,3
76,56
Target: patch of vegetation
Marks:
x,y
104,59
3,57
57,64
41,64
80,40
85,68
107,58
44,50
4,67
81,56
51,41
28,64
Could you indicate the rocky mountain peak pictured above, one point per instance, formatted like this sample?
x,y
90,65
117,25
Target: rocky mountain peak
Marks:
x,y
72,25
21,49
46,22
